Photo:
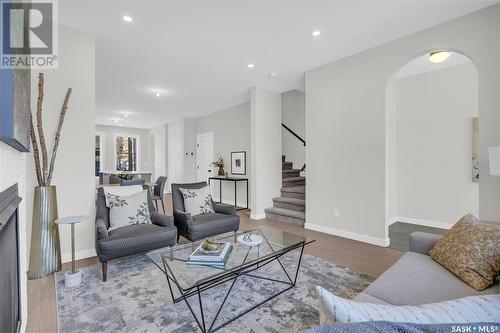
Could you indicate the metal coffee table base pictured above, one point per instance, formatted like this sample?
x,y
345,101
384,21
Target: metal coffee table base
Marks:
x,y
233,275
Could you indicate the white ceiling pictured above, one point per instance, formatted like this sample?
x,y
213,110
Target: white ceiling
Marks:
x,y
197,51
422,65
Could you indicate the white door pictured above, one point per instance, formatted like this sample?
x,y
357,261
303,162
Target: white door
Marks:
x,y
204,156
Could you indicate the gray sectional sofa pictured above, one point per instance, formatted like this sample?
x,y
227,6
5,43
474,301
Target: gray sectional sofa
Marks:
x,y
416,279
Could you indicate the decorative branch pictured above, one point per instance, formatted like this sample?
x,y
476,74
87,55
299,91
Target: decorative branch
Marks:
x,y
39,126
35,152
58,135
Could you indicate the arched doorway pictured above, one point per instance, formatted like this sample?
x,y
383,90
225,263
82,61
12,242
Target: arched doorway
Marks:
x,y
431,171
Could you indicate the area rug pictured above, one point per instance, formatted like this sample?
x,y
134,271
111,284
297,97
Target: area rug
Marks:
x,y
136,298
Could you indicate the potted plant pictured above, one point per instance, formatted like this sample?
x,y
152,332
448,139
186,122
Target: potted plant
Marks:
x,y
45,251
125,175
219,162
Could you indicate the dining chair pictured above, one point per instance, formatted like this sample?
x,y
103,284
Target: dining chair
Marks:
x,y
159,191
135,181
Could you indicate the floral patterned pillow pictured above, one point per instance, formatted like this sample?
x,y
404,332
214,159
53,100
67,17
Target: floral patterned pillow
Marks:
x,y
128,210
197,201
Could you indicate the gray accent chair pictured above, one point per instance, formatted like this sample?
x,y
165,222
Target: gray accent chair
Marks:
x,y
416,279
130,182
159,192
132,239
202,226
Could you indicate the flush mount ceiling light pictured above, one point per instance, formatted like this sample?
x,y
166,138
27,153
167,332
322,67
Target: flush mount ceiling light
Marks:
x,y
316,33
127,18
438,57
251,66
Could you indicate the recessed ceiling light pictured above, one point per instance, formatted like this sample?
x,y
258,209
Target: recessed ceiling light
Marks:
x,y
127,18
316,33
438,57
251,66
157,94
120,125
273,74
125,114
116,121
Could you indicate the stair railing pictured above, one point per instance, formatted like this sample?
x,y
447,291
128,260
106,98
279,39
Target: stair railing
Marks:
x,y
298,137
293,133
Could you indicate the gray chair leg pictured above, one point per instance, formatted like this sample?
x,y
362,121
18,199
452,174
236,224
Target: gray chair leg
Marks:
x,y
163,205
235,238
156,204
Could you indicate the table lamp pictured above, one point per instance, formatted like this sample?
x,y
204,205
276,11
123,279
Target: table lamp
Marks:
x,y
74,277
494,161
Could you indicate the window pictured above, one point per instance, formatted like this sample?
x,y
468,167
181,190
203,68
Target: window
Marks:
x,y
99,152
126,153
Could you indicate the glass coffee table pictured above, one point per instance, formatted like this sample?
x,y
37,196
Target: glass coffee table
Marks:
x,y
186,281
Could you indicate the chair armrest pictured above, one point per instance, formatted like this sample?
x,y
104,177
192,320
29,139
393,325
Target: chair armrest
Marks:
x,y
225,209
181,217
423,242
162,220
101,231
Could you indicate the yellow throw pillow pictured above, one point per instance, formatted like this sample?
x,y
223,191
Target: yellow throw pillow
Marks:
x,y
471,251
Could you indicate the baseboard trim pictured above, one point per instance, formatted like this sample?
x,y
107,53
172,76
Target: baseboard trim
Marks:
x,y
426,223
66,257
257,216
348,234
392,220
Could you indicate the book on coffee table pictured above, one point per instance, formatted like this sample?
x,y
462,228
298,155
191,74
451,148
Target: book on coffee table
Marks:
x,y
210,257
219,262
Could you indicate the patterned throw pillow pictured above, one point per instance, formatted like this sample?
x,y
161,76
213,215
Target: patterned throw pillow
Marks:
x,y
472,309
197,201
128,210
471,251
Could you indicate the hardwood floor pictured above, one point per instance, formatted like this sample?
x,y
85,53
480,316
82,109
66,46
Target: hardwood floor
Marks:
x,y
358,256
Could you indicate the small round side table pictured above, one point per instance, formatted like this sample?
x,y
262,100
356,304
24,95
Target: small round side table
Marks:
x,y
74,277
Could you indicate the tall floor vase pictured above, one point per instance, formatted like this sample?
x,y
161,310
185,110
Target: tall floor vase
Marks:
x,y
45,251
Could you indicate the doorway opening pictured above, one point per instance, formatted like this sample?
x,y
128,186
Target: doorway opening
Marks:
x,y
431,136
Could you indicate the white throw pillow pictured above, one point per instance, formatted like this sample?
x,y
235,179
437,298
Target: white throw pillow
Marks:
x,y
472,309
128,210
197,201
121,191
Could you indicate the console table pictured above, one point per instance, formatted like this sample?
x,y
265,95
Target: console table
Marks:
x,y
235,180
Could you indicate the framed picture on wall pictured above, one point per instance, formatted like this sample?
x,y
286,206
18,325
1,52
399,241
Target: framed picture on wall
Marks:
x,y
239,163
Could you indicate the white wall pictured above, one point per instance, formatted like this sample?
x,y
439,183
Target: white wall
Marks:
x,y
231,130
293,115
345,125
111,132
434,114
265,149
12,171
181,151
74,168
189,150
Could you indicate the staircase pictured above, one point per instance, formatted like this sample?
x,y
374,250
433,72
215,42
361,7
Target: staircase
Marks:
x,y
290,207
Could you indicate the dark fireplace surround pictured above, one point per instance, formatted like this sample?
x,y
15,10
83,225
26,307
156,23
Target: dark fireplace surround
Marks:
x,y
10,307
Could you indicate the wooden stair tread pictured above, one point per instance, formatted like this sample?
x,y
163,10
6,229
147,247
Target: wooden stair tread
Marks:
x,y
294,201
286,212
294,189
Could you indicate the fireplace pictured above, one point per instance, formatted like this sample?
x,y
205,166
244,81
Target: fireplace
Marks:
x,y
10,307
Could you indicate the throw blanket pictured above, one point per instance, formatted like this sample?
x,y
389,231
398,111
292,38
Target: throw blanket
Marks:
x,y
392,327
